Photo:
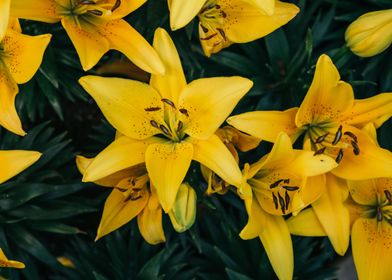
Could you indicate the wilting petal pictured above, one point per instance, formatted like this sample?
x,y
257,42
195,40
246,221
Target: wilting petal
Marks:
x,y
149,221
126,39
167,165
14,162
4,17
328,98
122,153
306,223
42,10
256,220
125,103
371,245
118,211
376,109
211,152
173,82
24,54
372,161
5,262
89,44
210,101
238,20
266,125
277,243
332,213
182,12
126,7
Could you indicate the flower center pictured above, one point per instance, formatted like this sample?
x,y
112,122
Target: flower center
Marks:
x,y
331,140
383,209
133,188
171,125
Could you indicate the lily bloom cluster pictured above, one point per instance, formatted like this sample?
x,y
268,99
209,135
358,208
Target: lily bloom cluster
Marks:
x,y
339,184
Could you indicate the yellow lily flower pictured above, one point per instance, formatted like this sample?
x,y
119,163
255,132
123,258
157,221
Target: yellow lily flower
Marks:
x,y
278,184
5,262
222,22
330,118
20,57
233,139
4,16
94,27
370,34
184,116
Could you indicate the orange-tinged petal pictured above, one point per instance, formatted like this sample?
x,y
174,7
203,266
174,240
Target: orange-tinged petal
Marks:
x,y
119,209
210,101
89,44
42,10
14,162
124,38
376,109
122,153
125,104
328,98
4,17
332,213
372,247
167,164
173,81
5,262
182,12
23,54
306,223
266,125
210,153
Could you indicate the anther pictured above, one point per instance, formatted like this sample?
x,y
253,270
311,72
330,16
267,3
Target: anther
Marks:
x,y
154,124
165,130
379,214
356,149
290,188
388,196
209,37
340,156
222,33
184,112
321,138
116,5
352,135
180,126
286,181
287,199
95,12
152,109
319,151
282,205
168,102
205,29
275,184
338,136
86,2
275,200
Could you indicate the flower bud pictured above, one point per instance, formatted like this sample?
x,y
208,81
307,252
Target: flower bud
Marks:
x,y
370,34
183,213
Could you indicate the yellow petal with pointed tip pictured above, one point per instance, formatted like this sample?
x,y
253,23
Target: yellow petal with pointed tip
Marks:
x,y
210,101
266,125
167,165
173,82
122,153
305,223
371,245
4,17
240,140
376,109
124,38
14,162
126,7
89,44
363,192
118,211
210,153
256,220
268,6
42,10
125,103
277,243
328,98
24,54
332,213
5,262
183,11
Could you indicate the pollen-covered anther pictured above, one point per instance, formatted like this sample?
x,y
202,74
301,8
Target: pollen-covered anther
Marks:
x,y
388,195
287,199
86,2
351,135
277,183
319,151
291,188
152,109
379,214
169,102
339,156
116,5
338,136
165,130
321,138
95,12
282,204
154,124
356,149
180,126
184,112
275,199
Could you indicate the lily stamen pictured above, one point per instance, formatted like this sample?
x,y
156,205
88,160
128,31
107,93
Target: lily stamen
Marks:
x,y
116,5
275,199
152,109
184,112
338,135
319,151
340,156
388,196
291,188
321,138
356,149
165,130
287,199
168,102
352,135
154,124
379,214
282,203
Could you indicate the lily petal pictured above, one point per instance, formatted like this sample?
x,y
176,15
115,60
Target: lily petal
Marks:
x,y
126,7
266,125
43,10
122,153
363,192
4,17
118,211
124,103
124,38
328,98
167,165
14,162
268,6
376,109
5,262
256,220
182,12
210,152
332,213
173,82
89,44
210,101
24,54
371,245
306,223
